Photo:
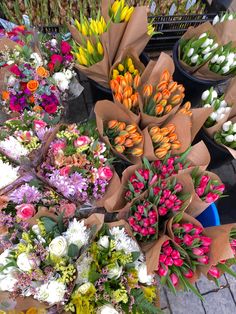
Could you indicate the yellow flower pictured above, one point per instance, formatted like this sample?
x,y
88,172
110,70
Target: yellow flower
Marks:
x,y
131,69
90,47
32,310
115,73
120,295
124,12
100,27
121,67
129,62
129,13
115,6
77,24
150,292
100,48
84,30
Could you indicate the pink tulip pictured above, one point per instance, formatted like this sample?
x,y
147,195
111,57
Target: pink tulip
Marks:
x,y
138,216
198,230
137,228
162,200
169,261
156,190
162,258
175,226
188,240
198,251
132,221
178,262
140,209
203,260
154,179
173,198
188,274
167,242
206,241
205,249
151,230
204,180
175,254
178,187
167,250
178,202
200,191
187,227
169,204
144,232
219,188
146,222
214,272
170,161
211,197
152,214
152,221
163,184
162,211
176,208
128,194
166,193
162,271
175,279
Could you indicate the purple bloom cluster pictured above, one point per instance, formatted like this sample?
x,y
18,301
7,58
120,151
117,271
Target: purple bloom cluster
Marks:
x,y
99,188
25,194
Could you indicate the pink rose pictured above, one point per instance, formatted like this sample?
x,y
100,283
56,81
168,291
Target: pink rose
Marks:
x,y
68,209
58,146
105,173
82,141
38,124
25,211
65,47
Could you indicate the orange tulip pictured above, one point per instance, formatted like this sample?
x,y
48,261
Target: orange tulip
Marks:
x,y
172,137
131,128
172,86
118,97
114,85
161,86
112,124
176,145
154,130
167,146
181,88
134,99
119,148
166,94
165,76
163,102
164,131
32,85
128,77
41,71
168,109
137,81
124,134
128,143
175,100
156,138
137,138
121,126
165,140
171,127
119,140
160,152
187,105
137,151
159,110
128,91
157,97
127,102
147,90
123,82
5,95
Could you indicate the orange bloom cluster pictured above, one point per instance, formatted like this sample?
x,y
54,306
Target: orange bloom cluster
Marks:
x,y
186,109
161,99
164,140
124,88
124,137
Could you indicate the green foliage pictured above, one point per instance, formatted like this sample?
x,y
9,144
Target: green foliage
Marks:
x,y
73,250
142,305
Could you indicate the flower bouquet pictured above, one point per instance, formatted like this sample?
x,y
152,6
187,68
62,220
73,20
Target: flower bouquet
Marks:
x,y
123,134
208,189
41,264
77,165
226,136
23,136
9,171
112,276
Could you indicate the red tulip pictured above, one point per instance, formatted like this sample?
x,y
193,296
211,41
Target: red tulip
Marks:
x,y
144,232
162,211
169,204
152,221
206,241
203,260
188,274
214,272
167,242
175,254
169,261
167,250
198,230
187,227
162,258
138,216
152,214
162,271
132,221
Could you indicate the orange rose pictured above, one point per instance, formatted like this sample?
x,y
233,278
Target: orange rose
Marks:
x,y
5,95
32,85
37,108
41,71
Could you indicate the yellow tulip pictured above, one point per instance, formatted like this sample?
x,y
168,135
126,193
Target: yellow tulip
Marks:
x,y
128,14
84,30
84,60
77,24
121,67
115,6
131,68
100,48
100,28
129,62
104,25
90,47
124,12
115,73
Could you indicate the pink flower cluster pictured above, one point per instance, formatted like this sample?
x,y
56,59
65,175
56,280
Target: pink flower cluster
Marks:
x,y
171,166
169,198
207,189
191,239
170,259
144,220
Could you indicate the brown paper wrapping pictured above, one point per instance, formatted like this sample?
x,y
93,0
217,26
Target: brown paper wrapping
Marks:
x,y
23,304
135,34
198,156
183,131
105,111
197,206
199,116
220,248
197,31
226,31
4,72
7,44
135,117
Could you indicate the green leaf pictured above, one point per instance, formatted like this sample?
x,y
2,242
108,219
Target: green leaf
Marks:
x,y
73,250
49,224
226,269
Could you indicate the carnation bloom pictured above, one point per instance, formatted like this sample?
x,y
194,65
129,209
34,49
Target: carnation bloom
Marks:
x,y
77,233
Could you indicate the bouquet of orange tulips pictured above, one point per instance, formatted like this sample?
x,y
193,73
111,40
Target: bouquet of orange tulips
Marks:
x,y
164,140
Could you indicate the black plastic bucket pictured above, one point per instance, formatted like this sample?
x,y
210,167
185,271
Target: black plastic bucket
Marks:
x,y
100,92
219,154
194,87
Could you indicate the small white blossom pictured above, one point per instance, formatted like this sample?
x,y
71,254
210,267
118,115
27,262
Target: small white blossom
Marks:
x,y
213,116
229,138
226,126
216,20
104,242
53,42
234,128
123,241
214,58
13,148
230,17
190,53
206,43
225,69
77,233
205,94
107,309
223,103
220,60
202,35
214,46
194,58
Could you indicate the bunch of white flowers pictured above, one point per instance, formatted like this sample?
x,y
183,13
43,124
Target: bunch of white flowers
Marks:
x,y
52,292
227,135
224,60
123,241
210,99
12,147
224,17
63,79
196,51
8,173
77,233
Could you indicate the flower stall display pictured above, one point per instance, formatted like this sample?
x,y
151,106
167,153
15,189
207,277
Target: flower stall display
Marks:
x,y
22,136
41,265
9,171
77,164
112,276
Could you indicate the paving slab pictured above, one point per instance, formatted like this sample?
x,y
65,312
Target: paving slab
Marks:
x,y
164,302
232,282
204,285
220,302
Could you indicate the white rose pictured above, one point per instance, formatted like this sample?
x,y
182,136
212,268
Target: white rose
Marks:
x,y
205,94
57,292
68,74
85,288
216,20
104,242
115,272
143,277
214,58
53,42
206,43
58,246
190,53
107,309
203,35
229,138
194,58
63,85
25,263
220,60
213,116
7,282
11,80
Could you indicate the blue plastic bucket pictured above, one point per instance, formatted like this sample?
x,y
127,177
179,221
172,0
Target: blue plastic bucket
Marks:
x,y
210,217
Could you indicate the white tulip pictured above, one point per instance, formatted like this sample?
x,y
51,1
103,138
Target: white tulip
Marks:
x,y
104,242
229,138
205,94
58,246
223,103
206,50
220,60
225,69
214,59
207,106
223,18
216,20
230,56
213,116
229,62
207,56
190,53
211,41
206,43
203,35
220,117
234,64
194,58
221,110
234,128
214,46
226,126
230,17
214,94
227,109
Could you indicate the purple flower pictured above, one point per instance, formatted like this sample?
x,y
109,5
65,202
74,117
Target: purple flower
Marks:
x,y
25,194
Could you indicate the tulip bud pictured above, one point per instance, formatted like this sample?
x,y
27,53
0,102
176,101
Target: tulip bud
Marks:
x,y
113,124
159,110
131,128
166,146
169,261
157,97
168,109
128,91
114,85
120,67
172,87
172,137
134,99
154,130
118,97
166,94
162,271
203,260
156,138
119,140
160,152
127,102
137,152
176,145
147,90
214,272
137,81
178,262
189,274
175,100
128,143
115,73
162,211
128,77
100,48
197,251
175,254
206,241
174,279
119,148
121,126
162,86
165,76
